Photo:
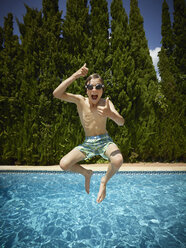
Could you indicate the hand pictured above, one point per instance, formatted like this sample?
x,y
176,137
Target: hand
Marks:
x,y
104,111
82,72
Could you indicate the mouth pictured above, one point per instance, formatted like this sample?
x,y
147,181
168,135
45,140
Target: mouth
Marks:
x,y
94,97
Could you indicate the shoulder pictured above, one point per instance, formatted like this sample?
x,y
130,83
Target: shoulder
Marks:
x,y
102,102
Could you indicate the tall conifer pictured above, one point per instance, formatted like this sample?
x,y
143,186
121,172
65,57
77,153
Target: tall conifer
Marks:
x,y
50,59
121,67
171,136
75,31
166,63
143,85
179,55
75,34
179,32
10,66
166,30
98,50
31,39
1,39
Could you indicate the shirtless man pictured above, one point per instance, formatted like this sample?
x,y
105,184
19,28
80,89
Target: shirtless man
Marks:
x,y
93,112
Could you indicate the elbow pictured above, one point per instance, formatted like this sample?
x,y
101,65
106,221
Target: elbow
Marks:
x,y
122,122
55,94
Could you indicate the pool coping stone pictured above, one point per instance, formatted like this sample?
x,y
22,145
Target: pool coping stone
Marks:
x,y
102,167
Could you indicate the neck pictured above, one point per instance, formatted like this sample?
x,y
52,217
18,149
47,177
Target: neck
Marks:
x,y
92,105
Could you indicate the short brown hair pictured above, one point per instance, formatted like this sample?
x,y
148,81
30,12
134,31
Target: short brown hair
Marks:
x,y
94,76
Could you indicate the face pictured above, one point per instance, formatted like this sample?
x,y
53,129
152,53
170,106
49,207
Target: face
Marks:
x,y
95,92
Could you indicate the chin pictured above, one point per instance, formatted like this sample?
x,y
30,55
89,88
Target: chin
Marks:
x,y
94,101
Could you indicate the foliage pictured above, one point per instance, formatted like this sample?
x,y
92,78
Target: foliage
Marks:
x,y
38,129
144,88
172,118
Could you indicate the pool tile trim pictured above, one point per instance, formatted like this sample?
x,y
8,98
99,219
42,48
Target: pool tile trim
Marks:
x,y
95,172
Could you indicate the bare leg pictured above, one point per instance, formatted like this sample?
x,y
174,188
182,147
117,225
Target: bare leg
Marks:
x,y
68,162
116,161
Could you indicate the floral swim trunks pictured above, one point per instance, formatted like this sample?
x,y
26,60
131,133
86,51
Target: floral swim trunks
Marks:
x,y
95,145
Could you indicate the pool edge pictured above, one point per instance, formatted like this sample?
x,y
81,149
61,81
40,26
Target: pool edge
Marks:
x,y
128,167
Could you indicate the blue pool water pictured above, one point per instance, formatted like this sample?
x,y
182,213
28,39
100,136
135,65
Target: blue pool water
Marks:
x,y
53,210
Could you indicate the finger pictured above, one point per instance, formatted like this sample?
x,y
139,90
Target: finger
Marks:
x,y
100,112
85,70
85,67
100,108
84,74
107,102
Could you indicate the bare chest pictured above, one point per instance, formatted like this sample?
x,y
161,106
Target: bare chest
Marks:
x,y
91,120
91,116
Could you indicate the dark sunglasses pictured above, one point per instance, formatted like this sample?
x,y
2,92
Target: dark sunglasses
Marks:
x,y
98,86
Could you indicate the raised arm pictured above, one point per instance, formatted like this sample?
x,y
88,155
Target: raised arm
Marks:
x,y
60,91
114,115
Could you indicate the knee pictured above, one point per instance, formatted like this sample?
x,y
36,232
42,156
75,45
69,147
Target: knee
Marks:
x,y
117,161
64,164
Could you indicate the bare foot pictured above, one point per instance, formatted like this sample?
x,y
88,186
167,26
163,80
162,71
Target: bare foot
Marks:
x,y
87,180
102,192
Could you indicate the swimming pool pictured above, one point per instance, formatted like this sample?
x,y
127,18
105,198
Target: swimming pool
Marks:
x,y
50,210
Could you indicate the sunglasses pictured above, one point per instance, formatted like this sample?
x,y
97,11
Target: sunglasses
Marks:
x,y
97,87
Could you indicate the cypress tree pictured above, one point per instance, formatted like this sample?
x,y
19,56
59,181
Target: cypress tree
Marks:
x,y
98,49
143,86
50,8
9,52
165,55
171,136
31,39
166,30
120,44
1,39
9,90
171,122
75,35
75,31
50,59
41,45
121,68
167,72
179,53
139,46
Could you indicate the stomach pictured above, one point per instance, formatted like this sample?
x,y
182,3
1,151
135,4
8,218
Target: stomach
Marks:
x,y
95,132
94,127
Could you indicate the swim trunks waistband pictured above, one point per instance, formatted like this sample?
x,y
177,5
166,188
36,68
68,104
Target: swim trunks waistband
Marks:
x,y
97,136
